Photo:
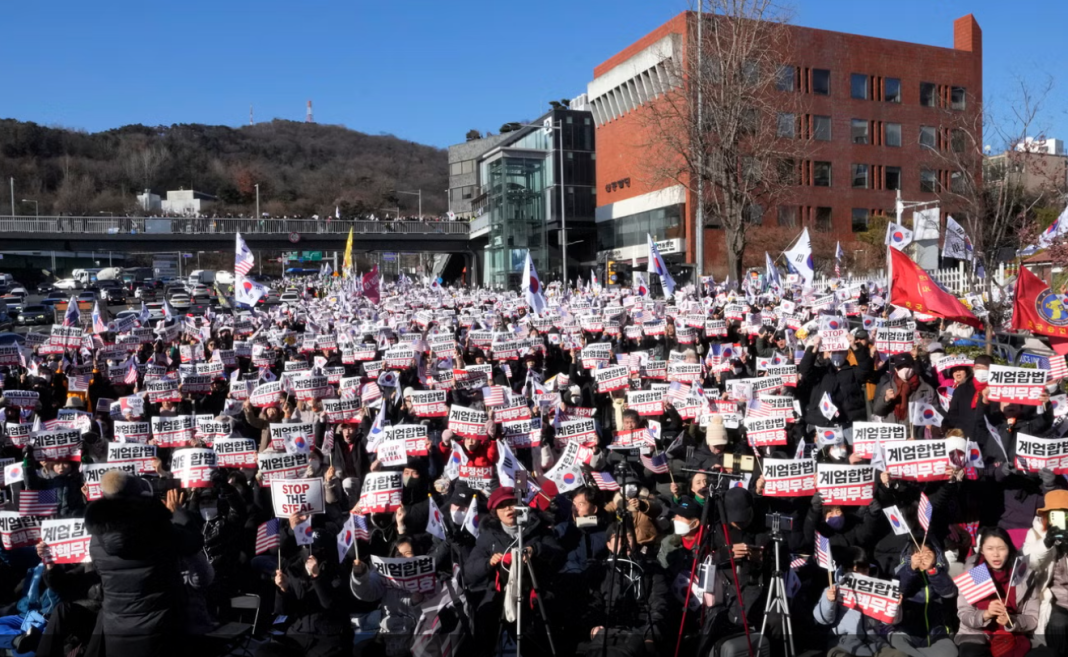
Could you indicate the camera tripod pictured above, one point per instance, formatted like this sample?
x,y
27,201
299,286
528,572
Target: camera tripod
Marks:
x,y
777,601
522,517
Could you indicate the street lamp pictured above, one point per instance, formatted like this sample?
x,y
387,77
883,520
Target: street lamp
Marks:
x,y
549,127
257,201
36,214
417,193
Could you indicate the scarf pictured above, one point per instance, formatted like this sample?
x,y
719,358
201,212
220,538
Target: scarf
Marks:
x,y
979,387
904,388
1003,643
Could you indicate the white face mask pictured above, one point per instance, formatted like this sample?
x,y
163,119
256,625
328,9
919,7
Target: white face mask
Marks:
x,y
904,373
982,376
458,515
937,356
682,527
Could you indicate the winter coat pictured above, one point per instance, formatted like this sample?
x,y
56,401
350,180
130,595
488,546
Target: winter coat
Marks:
x,y
1050,574
884,409
926,611
972,625
851,630
400,613
970,420
845,387
640,605
315,606
136,550
548,556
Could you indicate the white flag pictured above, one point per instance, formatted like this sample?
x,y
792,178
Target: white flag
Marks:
x,y
957,245
897,236
303,532
659,267
471,519
922,414
897,520
532,287
346,537
435,526
799,258
247,291
827,407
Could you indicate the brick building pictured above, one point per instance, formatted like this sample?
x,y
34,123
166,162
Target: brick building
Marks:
x,y
875,110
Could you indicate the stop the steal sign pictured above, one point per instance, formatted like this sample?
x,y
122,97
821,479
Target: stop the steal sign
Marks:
x,y
297,496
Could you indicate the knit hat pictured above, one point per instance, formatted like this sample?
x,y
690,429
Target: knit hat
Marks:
x,y
500,496
715,433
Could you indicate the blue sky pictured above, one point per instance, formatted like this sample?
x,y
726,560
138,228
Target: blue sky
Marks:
x,y
423,70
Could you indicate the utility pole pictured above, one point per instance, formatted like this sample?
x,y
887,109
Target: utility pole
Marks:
x,y
257,201
699,232
12,197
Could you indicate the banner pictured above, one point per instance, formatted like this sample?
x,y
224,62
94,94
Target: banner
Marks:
x,y
93,474
174,431
297,496
646,402
275,466
193,467
19,531
414,574
235,452
1017,385
67,540
867,434
1034,453
789,478
918,460
612,378
62,445
381,492
583,431
875,598
341,410
522,433
846,485
141,456
267,394
412,436
763,432
468,422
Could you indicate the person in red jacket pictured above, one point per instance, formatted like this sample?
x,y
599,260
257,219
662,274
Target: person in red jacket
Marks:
x,y
480,452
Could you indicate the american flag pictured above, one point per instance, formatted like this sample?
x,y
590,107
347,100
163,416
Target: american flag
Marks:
x,y
243,258
267,536
131,373
507,369
38,503
71,317
823,552
677,394
657,463
976,584
79,382
604,481
360,528
493,395
924,512
757,409
371,392
1058,368
798,560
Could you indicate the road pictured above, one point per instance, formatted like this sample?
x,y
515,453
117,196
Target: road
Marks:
x,y
34,299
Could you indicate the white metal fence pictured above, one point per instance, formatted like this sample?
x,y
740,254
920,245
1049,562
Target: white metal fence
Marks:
x,y
959,281
251,226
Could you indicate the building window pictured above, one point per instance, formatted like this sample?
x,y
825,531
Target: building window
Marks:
x,y
928,137
859,131
858,86
784,79
928,94
454,168
750,72
821,174
893,90
893,134
823,220
893,178
821,82
786,125
928,180
957,97
958,140
860,176
821,126
956,182
789,174
787,216
754,214
860,220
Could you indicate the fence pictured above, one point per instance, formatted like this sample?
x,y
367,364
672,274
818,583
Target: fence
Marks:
x,y
959,281
228,226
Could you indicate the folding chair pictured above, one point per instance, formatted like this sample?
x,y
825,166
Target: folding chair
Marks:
x,y
236,634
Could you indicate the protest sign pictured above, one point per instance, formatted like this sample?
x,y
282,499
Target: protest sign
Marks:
x,y
292,437
762,432
789,478
583,431
522,433
235,452
381,492
845,485
412,436
132,432
267,395
1017,385
341,410
917,460
413,574
61,445
892,341
875,598
297,496
19,531
208,429
468,422
646,402
867,434
67,540
275,466
612,378
193,467
1034,453
93,473
175,431
141,456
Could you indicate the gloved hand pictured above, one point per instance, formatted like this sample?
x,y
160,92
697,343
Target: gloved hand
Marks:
x,y
1049,479
875,508
1050,538
817,501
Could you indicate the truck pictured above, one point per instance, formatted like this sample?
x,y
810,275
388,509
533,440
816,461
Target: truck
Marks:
x,y
85,276
201,277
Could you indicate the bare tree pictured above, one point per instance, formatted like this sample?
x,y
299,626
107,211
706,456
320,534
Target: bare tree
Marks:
x,y
143,164
723,129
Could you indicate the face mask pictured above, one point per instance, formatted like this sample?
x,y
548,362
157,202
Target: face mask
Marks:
x,y
681,527
458,516
738,370
838,360
409,481
937,356
904,373
982,376
314,465
836,522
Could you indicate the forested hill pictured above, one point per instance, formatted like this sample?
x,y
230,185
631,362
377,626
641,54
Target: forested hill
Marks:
x,y
302,169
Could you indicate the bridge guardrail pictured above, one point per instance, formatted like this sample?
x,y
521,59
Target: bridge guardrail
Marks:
x,y
249,226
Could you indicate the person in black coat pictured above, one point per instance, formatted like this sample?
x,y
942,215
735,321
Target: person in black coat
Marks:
x,y
489,566
136,550
636,596
831,373
968,407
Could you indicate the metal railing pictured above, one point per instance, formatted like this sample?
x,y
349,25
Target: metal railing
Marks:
x,y
205,226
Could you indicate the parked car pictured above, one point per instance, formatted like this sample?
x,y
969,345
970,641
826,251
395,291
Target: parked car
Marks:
x,y
35,314
67,284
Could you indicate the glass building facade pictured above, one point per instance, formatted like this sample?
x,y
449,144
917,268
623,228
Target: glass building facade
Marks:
x,y
662,223
515,194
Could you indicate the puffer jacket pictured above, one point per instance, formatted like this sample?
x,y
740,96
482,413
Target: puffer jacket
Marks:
x,y
845,387
1049,575
136,550
851,630
400,611
972,625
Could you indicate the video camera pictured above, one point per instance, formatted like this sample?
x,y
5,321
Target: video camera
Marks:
x,y
1057,530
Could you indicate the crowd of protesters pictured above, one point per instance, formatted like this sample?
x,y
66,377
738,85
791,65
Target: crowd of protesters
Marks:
x,y
431,470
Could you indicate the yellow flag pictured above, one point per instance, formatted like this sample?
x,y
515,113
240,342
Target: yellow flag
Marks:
x,y
347,264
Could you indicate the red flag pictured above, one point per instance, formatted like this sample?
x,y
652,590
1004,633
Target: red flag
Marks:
x,y
1039,310
370,285
913,288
